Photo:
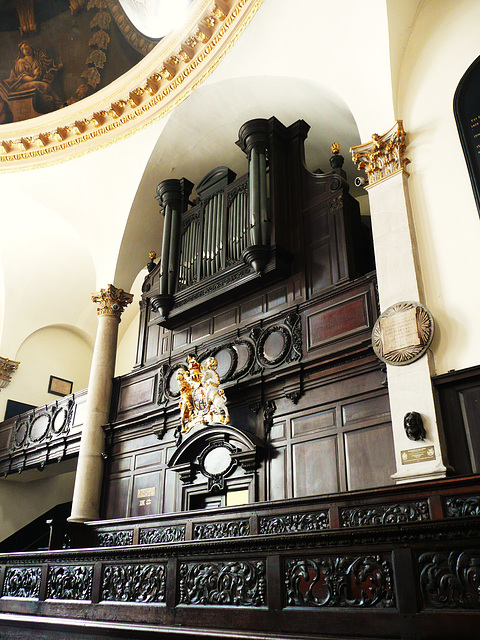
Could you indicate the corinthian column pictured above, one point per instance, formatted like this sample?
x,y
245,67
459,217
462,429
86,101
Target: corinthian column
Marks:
x,y
419,455
88,481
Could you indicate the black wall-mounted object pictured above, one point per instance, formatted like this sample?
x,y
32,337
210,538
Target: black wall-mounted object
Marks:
x,y
466,108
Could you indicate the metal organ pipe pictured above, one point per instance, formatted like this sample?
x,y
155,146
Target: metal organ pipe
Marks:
x,y
167,228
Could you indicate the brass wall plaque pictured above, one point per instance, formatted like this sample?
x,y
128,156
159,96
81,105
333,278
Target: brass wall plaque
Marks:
x,y
420,454
149,492
402,333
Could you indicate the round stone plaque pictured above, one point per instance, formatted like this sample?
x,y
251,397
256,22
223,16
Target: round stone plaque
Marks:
x,y
403,333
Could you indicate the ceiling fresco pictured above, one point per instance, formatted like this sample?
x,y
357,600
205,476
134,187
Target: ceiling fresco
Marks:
x,y
53,53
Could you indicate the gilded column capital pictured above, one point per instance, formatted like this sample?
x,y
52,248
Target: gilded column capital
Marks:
x,y
7,368
111,301
383,156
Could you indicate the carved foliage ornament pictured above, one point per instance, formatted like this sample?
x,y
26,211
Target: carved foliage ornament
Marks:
x,y
111,301
383,156
22,582
450,581
385,514
7,368
70,582
403,333
238,583
162,534
115,538
134,583
341,581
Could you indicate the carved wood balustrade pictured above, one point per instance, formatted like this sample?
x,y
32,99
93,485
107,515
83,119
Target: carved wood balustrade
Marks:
x,y
390,563
44,435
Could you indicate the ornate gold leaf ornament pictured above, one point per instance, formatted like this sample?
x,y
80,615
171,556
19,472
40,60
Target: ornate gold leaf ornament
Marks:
x,y
177,65
7,368
383,156
111,301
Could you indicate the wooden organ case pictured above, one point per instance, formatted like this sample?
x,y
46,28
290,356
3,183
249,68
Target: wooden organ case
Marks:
x,y
272,274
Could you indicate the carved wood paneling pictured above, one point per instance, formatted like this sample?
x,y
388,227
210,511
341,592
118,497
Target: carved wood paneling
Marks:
x,y
385,514
294,523
162,534
22,582
70,582
462,507
339,581
450,580
238,583
115,538
141,583
216,530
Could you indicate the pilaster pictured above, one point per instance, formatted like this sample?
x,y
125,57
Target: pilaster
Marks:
x,y
399,280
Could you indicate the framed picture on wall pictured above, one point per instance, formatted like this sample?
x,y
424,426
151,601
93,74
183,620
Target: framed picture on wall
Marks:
x,y
59,386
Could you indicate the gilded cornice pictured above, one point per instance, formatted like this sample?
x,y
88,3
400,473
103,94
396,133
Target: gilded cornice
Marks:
x,y
175,67
111,301
383,156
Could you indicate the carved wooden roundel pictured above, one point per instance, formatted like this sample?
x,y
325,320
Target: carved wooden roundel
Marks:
x,y
273,345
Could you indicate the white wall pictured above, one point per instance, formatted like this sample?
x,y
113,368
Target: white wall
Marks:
x,y
21,502
56,350
443,44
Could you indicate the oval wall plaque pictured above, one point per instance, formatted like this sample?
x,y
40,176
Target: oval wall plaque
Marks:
x,y
403,333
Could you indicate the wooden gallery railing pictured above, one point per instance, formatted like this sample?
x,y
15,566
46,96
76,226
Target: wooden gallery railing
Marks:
x,y
399,562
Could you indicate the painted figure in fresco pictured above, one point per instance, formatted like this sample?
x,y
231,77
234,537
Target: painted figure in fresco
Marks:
x,y
33,69
5,113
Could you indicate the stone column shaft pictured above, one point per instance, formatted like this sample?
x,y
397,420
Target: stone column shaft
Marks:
x,y
89,476
399,280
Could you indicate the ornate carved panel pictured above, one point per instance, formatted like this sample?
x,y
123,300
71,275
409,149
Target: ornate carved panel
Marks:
x,y
115,538
450,580
263,349
161,534
216,530
385,514
42,425
339,581
134,583
223,583
22,582
462,507
70,582
295,523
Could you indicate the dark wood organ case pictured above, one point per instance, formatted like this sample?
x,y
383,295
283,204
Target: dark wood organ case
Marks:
x,y
272,274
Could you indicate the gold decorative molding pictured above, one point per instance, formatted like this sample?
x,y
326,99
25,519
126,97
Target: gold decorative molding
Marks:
x,y
383,156
165,77
7,368
111,301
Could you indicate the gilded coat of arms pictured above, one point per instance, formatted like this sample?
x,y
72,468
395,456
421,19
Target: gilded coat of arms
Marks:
x,y
202,400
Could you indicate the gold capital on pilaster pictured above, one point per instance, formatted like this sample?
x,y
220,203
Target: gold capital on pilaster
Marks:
x,y
383,156
7,367
111,301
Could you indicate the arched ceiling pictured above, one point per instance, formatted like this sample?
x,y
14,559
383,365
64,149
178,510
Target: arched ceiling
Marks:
x,y
256,63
